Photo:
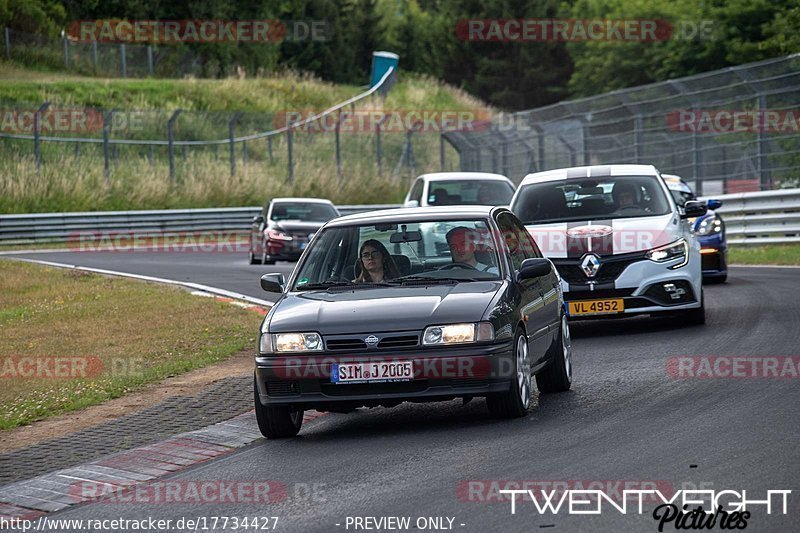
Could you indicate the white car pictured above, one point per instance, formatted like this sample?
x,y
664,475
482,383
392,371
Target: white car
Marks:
x,y
620,243
459,188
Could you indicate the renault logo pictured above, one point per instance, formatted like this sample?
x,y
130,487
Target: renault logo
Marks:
x,y
590,265
372,341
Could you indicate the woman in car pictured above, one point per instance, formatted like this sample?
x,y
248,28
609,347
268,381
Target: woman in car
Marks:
x,y
375,263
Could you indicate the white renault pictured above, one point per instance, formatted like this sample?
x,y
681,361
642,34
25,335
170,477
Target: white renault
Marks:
x,y
617,238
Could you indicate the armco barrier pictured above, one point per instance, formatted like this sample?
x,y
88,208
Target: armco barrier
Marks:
x,y
767,217
750,218
56,227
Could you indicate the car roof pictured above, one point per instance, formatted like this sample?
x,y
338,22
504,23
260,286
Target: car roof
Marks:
x,y
447,176
593,171
302,200
449,212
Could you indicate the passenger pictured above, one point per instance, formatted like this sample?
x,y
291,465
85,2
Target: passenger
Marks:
x,y
463,243
375,263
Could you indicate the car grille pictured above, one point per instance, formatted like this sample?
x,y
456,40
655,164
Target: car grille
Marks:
x,y
386,342
346,344
610,268
282,388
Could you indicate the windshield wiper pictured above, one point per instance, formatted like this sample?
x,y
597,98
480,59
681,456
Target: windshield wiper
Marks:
x,y
332,284
426,279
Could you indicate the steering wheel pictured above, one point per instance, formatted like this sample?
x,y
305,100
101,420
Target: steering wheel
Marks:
x,y
453,265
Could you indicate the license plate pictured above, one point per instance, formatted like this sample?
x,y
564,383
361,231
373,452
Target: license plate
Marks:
x,y
372,372
596,307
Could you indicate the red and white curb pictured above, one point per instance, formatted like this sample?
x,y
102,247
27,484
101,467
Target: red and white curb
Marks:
x,y
51,492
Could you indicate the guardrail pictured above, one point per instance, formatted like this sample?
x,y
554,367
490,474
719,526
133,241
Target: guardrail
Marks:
x,y
768,217
58,227
750,218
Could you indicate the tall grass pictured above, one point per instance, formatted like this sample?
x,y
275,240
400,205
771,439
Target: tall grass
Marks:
x,y
75,181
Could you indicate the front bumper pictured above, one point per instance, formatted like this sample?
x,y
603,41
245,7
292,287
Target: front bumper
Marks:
x,y
642,287
304,381
714,255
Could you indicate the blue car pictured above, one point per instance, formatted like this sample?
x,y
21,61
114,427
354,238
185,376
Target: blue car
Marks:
x,y
710,231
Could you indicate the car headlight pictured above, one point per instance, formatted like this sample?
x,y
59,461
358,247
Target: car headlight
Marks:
x,y
458,333
295,342
278,235
676,250
710,225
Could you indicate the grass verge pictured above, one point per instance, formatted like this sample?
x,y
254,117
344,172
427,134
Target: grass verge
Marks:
x,y
773,254
73,339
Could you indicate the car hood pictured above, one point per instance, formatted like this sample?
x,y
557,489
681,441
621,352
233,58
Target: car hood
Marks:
x,y
382,309
606,237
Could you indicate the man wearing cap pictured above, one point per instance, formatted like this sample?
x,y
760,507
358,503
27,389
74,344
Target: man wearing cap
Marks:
x,y
463,242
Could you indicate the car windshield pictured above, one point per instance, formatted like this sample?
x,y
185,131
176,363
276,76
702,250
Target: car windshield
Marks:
x,y
590,199
307,212
681,197
469,192
397,254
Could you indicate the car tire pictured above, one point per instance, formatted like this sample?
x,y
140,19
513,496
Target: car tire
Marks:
x,y
557,376
717,279
266,259
253,259
276,421
515,402
696,316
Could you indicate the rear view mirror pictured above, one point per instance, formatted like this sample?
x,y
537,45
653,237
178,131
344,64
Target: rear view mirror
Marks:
x,y
258,219
273,282
714,204
534,268
405,236
411,203
694,209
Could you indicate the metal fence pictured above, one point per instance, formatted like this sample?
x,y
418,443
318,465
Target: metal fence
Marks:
x,y
725,131
108,60
288,142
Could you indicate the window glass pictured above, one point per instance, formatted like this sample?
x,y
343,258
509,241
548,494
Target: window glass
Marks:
x,y
307,212
590,199
469,192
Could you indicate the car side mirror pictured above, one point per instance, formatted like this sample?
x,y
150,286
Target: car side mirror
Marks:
x,y
694,209
274,282
411,203
714,204
534,268
258,219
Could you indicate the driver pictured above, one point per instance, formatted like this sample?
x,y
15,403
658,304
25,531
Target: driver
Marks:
x,y
625,194
463,243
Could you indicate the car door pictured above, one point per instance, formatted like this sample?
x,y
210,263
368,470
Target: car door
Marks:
x,y
549,285
531,307
257,233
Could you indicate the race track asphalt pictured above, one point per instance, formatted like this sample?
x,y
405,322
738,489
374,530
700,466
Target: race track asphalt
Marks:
x,y
626,420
